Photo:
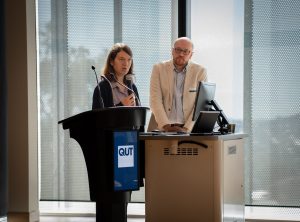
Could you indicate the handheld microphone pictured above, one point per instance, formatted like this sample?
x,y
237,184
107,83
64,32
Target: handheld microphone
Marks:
x,y
130,89
129,78
100,97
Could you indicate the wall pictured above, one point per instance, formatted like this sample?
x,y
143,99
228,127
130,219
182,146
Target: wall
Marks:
x,y
3,125
22,110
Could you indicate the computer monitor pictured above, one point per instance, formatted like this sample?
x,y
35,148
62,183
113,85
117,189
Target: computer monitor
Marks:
x,y
205,102
204,95
205,122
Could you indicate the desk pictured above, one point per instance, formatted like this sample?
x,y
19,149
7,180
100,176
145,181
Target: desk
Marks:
x,y
194,178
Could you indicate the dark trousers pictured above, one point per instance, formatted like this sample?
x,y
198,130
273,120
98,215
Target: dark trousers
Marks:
x,y
111,212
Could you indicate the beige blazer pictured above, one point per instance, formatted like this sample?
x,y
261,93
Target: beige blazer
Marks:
x,y
161,92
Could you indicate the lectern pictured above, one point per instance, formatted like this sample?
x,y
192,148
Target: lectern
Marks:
x,y
109,141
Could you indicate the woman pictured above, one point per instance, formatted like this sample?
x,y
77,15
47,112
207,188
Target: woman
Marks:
x,y
117,88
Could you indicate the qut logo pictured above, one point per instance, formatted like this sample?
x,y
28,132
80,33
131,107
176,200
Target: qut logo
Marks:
x,y
125,150
125,156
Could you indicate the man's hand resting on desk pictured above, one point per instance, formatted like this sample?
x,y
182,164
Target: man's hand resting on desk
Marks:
x,y
174,128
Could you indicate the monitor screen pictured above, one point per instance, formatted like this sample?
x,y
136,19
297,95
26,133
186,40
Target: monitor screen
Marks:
x,y
204,95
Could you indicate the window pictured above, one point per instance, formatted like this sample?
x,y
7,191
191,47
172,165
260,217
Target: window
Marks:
x,y
272,118
217,30
73,36
256,69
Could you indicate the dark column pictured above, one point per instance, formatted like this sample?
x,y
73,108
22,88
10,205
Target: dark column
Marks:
x,y
3,117
184,18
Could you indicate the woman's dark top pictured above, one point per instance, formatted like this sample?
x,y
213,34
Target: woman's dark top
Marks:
x,y
107,94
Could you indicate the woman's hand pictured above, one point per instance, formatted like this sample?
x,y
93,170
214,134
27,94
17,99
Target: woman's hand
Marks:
x,y
129,100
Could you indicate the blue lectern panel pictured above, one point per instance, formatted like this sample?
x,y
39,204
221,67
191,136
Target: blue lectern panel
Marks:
x,y
126,171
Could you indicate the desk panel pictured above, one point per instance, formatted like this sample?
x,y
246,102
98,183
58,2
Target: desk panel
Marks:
x,y
194,179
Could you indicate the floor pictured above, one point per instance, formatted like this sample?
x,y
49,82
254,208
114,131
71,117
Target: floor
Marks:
x,y
83,212
80,219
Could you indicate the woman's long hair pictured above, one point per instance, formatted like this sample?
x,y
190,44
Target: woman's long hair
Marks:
x,y
108,69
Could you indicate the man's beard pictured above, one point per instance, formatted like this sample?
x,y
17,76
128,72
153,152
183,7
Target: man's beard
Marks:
x,y
179,61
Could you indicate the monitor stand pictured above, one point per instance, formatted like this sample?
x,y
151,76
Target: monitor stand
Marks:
x,y
222,119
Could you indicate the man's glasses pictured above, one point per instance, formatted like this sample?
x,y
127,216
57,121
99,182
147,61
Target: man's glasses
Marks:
x,y
184,51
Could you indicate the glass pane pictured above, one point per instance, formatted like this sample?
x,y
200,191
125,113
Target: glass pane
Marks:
x,y
73,36
71,40
273,118
217,30
147,37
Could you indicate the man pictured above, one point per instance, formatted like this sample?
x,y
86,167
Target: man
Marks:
x,y
171,101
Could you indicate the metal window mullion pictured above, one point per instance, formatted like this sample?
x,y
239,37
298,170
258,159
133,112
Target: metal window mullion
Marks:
x,y
118,21
60,64
247,122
